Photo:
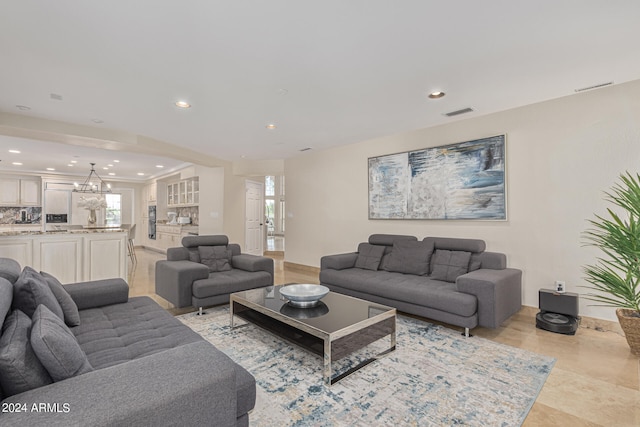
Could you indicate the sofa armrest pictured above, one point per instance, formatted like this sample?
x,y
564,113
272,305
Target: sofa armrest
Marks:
x,y
339,261
249,262
178,254
194,384
499,293
175,278
98,293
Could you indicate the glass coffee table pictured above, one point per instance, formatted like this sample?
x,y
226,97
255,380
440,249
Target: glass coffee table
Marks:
x,y
338,326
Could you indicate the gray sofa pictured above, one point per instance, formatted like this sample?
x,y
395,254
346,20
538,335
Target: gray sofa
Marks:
x,y
207,269
126,362
445,279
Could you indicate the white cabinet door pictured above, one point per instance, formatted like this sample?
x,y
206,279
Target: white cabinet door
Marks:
x,y
10,192
105,257
19,249
29,192
59,256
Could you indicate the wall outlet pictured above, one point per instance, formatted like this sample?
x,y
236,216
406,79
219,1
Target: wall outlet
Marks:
x,y
560,286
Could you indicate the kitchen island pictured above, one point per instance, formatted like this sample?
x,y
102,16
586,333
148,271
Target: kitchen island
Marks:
x,y
75,255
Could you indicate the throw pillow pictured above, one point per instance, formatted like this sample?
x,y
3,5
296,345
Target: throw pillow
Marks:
x,y
448,265
20,369
410,257
217,258
56,347
31,290
369,256
68,305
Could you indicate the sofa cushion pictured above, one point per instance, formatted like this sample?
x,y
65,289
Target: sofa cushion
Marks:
x,y
448,265
118,333
6,297
226,282
206,240
369,256
217,258
68,305
9,269
410,257
408,288
194,255
20,369
31,290
56,347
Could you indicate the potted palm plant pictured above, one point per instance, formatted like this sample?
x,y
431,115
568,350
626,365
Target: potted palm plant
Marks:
x,y
616,275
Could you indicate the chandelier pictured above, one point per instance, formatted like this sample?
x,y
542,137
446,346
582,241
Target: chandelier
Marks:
x,y
93,184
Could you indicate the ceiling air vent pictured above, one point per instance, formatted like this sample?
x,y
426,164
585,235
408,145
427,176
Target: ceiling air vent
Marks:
x,y
458,112
594,86
306,149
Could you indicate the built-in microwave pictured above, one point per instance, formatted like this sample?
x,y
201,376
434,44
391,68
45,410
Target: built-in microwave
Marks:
x,y
56,218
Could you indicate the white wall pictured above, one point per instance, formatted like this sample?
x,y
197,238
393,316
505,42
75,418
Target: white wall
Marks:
x,y
561,156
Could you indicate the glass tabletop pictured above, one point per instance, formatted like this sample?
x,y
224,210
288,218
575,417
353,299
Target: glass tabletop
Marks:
x,y
333,313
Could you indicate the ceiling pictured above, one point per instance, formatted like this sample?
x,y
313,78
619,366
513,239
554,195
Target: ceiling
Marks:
x,y
326,73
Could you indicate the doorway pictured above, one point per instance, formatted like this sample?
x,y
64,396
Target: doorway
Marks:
x,y
254,218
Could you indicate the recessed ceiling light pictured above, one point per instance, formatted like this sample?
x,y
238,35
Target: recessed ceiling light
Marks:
x,y
14,151
111,173
140,173
116,161
436,95
183,104
17,163
110,165
74,161
70,165
160,166
271,126
23,107
105,168
51,169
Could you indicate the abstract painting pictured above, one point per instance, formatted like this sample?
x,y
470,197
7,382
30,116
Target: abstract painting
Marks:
x,y
458,181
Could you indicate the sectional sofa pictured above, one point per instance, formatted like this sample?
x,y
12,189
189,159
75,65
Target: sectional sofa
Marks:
x,y
454,281
86,354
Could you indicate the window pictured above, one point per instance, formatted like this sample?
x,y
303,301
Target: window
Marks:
x,y
274,204
114,209
269,186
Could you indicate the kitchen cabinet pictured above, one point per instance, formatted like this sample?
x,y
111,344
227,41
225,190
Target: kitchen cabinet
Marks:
x,y
150,192
19,192
71,256
29,192
184,193
170,236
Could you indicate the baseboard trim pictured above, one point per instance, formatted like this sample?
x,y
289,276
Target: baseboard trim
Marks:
x,y
301,268
150,248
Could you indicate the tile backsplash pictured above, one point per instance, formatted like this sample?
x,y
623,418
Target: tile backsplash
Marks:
x,y
190,211
20,215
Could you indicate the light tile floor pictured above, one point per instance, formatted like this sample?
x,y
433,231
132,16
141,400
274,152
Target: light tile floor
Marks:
x,y
595,382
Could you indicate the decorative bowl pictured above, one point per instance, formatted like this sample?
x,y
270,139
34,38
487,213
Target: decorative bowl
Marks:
x,y
304,295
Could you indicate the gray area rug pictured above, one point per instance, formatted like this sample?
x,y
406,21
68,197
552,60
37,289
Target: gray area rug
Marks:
x,y
436,377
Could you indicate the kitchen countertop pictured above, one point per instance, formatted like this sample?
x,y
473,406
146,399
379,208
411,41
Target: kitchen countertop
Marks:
x,y
53,232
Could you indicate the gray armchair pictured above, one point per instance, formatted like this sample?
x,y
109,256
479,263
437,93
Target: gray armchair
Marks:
x,y
207,269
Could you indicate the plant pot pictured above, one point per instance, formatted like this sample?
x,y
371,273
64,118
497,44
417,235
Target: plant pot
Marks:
x,y
630,322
